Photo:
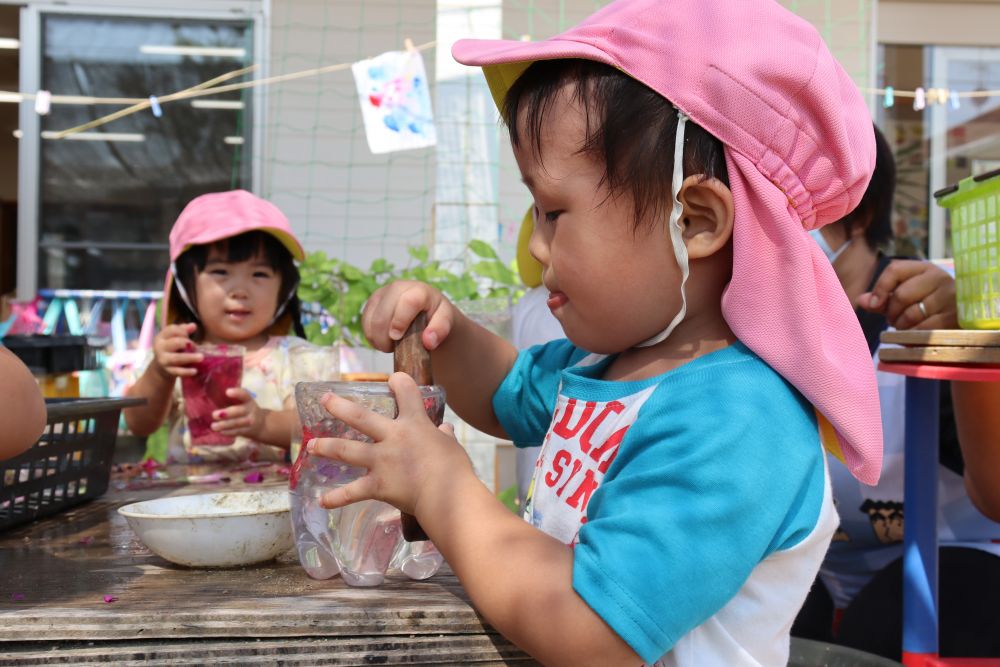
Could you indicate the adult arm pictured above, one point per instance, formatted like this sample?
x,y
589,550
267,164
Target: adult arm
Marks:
x,y
977,416
22,411
903,286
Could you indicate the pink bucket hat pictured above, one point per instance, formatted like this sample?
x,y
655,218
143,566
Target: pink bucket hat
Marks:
x,y
221,215
800,150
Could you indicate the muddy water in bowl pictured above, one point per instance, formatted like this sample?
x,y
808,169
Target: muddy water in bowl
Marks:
x,y
214,529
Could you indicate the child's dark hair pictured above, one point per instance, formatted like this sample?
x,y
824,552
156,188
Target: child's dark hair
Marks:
x,y
875,209
630,128
239,249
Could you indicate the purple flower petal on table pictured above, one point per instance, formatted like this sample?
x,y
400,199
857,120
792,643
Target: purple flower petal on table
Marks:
x,y
284,471
256,477
150,465
108,599
17,597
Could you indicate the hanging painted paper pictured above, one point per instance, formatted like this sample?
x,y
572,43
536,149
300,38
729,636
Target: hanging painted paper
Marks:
x,y
395,101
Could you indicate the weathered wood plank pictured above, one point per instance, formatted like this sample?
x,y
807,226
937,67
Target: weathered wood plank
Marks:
x,y
941,355
443,650
55,573
943,337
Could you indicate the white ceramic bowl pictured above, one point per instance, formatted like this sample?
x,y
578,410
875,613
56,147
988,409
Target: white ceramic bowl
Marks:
x,y
214,529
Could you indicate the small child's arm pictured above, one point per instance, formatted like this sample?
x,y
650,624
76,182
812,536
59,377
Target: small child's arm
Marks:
x,y
22,410
469,361
172,356
246,418
518,577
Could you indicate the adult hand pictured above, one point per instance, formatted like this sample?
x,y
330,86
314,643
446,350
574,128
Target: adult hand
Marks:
x,y
407,456
245,418
913,294
173,351
391,309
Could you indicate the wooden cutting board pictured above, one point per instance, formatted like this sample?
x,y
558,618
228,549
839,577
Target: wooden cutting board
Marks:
x,y
942,346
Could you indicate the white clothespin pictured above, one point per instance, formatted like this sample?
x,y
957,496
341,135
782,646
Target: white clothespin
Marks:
x,y
919,100
956,102
43,102
154,106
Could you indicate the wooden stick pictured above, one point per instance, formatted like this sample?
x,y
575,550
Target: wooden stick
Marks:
x,y
411,357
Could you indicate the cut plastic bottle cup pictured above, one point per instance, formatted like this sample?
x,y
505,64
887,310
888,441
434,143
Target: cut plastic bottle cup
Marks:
x,y
359,541
220,369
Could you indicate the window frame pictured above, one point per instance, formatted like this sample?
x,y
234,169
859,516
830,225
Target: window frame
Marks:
x,y
29,147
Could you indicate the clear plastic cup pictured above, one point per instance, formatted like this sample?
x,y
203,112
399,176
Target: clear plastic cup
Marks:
x,y
309,363
221,369
362,540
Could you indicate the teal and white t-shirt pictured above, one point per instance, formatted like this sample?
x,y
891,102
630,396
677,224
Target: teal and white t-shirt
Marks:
x,y
697,501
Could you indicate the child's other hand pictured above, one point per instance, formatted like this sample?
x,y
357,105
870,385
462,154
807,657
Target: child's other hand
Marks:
x,y
391,309
904,286
244,418
173,351
409,459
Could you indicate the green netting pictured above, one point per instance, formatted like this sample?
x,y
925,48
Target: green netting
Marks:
x,y
357,206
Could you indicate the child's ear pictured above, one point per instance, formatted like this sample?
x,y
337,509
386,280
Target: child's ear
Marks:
x,y
707,216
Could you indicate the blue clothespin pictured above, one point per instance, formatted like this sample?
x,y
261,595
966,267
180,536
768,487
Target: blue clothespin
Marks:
x,y
154,105
956,103
890,97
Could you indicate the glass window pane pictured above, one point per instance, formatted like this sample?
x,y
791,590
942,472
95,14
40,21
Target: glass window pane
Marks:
x,y
109,196
951,141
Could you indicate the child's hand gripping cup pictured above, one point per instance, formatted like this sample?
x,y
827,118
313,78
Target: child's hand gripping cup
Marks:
x,y
205,392
360,541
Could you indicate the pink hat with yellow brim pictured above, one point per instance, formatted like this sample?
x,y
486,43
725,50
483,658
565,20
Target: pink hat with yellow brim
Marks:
x,y
221,215
800,151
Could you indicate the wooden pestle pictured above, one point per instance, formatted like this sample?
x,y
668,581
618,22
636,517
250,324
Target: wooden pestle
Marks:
x,y
411,357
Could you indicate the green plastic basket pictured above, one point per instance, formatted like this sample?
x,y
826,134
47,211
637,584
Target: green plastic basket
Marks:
x,y
974,205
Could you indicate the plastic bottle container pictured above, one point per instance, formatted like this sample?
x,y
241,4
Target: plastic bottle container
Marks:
x,y
221,369
363,540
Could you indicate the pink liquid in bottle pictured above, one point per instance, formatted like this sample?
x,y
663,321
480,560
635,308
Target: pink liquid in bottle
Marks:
x,y
205,392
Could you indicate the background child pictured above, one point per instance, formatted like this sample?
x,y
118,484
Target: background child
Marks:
x,y
232,280
862,574
681,506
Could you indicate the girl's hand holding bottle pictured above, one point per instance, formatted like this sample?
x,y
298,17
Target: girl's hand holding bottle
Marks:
x,y
174,353
245,418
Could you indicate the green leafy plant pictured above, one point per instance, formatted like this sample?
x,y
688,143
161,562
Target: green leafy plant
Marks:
x,y
339,289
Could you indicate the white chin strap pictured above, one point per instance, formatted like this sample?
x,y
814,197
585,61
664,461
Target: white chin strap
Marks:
x,y
284,304
676,230
180,290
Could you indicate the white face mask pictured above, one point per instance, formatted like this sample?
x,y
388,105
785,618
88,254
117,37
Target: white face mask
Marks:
x,y
830,253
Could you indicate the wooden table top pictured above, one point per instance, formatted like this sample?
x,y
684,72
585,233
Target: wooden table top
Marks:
x,y
56,572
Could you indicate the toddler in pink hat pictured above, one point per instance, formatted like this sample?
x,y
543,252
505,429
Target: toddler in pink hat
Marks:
x,y
231,284
678,152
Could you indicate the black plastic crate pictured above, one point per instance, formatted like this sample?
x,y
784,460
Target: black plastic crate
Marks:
x,y
70,464
56,354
